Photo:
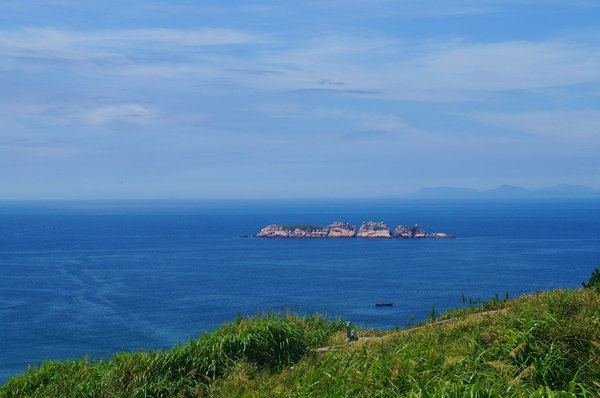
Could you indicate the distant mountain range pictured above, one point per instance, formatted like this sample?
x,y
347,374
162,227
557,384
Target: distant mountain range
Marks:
x,y
507,191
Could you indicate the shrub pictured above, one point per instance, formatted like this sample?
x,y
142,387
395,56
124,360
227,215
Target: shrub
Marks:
x,y
594,281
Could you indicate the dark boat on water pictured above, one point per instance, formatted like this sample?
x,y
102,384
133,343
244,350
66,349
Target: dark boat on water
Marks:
x,y
383,304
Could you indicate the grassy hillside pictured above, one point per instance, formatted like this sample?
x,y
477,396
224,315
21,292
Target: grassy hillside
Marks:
x,y
542,345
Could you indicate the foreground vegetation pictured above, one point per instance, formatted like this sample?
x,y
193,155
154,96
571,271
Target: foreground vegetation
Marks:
x,y
269,342
543,345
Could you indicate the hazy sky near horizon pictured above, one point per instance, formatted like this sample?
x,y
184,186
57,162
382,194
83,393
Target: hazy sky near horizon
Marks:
x,y
357,98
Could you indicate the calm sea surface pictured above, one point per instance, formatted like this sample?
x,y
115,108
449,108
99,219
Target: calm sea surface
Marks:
x,y
94,278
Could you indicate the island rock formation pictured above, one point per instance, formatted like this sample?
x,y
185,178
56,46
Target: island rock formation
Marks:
x,y
369,230
372,229
440,235
341,230
335,230
414,231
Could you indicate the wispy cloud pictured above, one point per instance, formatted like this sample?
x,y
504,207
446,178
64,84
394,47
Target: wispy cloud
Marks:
x,y
64,114
69,44
443,8
454,69
258,72
336,91
377,66
514,65
372,125
122,113
258,94
575,124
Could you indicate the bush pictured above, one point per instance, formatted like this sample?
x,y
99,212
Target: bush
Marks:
x,y
594,281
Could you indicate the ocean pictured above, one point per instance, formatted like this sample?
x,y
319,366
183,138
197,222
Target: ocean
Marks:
x,y
98,277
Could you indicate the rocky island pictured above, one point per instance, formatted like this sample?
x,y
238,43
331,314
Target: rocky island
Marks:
x,y
368,230
334,230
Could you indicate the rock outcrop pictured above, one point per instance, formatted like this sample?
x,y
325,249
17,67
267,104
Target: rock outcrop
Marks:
x,y
440,235
372,229
415,231
335,230
341,230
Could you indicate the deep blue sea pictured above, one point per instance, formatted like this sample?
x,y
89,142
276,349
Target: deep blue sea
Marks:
x,y
94,278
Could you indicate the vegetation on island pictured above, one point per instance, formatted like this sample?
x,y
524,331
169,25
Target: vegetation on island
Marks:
x,y
379,227
413,228
542,345
302,227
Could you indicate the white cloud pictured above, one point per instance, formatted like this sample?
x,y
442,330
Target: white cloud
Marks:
x,y
70,114
437,70
432,70
373,124
377,66
513,65
56,43
438,8
122,113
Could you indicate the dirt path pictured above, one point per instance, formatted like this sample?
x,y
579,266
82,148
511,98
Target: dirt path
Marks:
x,y
445,322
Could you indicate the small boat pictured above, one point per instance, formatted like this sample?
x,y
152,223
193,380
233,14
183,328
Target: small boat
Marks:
x,y
383,304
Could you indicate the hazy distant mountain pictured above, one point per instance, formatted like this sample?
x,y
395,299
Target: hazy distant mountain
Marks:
x,y
567,189
507,191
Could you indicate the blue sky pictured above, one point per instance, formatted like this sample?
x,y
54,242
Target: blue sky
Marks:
x,y
251,99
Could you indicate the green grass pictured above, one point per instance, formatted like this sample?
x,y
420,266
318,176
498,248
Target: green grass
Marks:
x,y
544,345
266,342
